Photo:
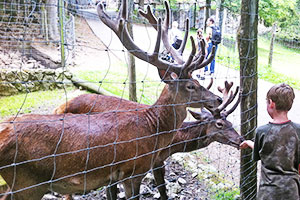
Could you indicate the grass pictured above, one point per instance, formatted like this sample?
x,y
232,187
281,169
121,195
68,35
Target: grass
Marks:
x,y
115,80
24,103
228,194
286,62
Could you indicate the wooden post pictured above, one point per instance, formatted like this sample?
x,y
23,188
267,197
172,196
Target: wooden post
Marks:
x,y
207,13
45,24
221,15
62,32
131,60
274,27
247,45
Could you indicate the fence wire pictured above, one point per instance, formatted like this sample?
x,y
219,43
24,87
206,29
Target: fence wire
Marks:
x,y
53,51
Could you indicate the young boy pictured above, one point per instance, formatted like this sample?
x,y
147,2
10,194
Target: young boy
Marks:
x,y
277,145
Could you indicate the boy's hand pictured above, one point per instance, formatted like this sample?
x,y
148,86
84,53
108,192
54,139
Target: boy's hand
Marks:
x,y
247,143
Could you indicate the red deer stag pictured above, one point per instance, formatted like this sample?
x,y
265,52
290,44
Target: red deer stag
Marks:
x,y
71,153
209,127
97,103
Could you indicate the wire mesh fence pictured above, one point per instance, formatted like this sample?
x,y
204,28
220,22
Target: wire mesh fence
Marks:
x,y
53,51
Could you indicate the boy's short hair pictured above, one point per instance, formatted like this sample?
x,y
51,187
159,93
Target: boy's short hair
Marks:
x,y
283,95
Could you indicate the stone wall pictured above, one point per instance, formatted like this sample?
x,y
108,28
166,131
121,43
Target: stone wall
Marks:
x,y
13,81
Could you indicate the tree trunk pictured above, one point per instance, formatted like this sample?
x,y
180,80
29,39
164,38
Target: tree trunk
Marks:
x,y
207,13
221,15
90,86
247,45
274,27
195,15
131,59
52,18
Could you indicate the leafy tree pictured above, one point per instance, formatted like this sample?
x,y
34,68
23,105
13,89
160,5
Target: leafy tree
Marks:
x,y
271,11
276,13
233,6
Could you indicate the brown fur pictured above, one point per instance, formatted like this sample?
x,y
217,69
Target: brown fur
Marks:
x,y
106,145
191,135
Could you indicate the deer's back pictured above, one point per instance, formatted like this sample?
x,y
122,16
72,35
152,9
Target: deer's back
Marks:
x,y
97,103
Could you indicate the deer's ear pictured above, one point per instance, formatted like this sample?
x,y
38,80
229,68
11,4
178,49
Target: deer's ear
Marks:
x,y
203,115
167,76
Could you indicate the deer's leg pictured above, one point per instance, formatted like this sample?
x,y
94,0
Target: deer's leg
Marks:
x,y
159,174
112,192
132,187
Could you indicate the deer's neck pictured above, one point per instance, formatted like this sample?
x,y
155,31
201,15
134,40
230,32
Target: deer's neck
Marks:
x,y
169,108
190,137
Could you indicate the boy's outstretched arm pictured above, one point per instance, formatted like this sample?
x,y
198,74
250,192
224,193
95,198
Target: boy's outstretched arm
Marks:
x,y
247,143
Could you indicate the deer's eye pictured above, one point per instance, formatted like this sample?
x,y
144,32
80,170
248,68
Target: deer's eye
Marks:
x,y
191,87
219,124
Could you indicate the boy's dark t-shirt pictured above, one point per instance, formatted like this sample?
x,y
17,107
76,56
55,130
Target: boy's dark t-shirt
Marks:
x,y
278,148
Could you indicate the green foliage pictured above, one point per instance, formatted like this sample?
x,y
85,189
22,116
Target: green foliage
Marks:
x,y
277,11
286,13
233,6
230,194
289,35
266,73
173,4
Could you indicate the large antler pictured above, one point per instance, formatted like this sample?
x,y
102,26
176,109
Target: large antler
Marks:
x,y
177,54
226,113
210,84
227,99
181,68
